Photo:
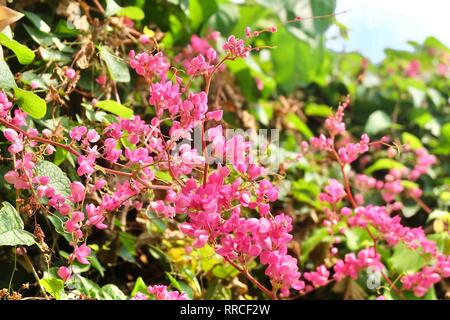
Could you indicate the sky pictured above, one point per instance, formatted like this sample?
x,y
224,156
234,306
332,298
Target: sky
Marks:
x,y
376,25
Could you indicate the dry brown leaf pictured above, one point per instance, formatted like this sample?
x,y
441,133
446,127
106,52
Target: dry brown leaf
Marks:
x,y
8,16
350,289
85,54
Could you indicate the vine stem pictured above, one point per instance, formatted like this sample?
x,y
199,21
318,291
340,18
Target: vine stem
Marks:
x,y
36,276
247,274
354,205
345,179
99,6
208,79
77,154
423,205
14,270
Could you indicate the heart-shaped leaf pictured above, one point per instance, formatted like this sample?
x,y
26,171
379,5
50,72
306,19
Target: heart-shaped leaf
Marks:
x,y
11,228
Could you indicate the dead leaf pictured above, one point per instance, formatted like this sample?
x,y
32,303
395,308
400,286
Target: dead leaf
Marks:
x,y
8,16
350,289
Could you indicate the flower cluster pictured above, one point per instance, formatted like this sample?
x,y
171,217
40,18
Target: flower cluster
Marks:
x,y
226,205
377,220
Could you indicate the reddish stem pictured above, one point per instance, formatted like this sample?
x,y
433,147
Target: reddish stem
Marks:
x,y
423,205
245,272
77,154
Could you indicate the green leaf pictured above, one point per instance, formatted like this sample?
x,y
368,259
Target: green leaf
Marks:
x,y
37,21
54,55
406,260
297,62
111,8
435,97
409,295
411,140
320,110
299,125
93,260
134,13
57,221
6,77
321,8
53,285
42,38
117,68
58,179
444,140
11,228
139,286
112,292
377,122
439,214
200,11
43,80
383,164
87,287
115,108
442,240
23,53
357,238
193,281
409,184
409,210
224,271
216,291
418,96
31,103
311,242
186,289
174,282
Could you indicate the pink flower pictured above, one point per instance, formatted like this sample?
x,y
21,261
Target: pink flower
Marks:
x,y
99,184
101,79
351,151
144,39
149,65
321,143
17,142
10,135
443,69
140,296
215,115
34,85
198,66
70,73
319,277
64,273
5,104
77,133
44,180
161,293
334,123
236,47
78,192
95,216
19,118
86,166
92,136
81,252
259,84
413,69
334,192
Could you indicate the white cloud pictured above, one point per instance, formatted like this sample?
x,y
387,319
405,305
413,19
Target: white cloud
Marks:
x,y
375,25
